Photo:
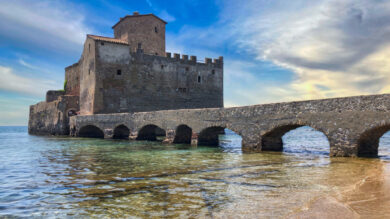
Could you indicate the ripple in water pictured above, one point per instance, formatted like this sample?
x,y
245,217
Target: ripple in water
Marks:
x,y
75,177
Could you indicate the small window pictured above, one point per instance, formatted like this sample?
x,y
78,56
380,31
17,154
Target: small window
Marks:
x,y
119,72
89,71
213,72
199,79
162,66
139,45
155,30
89,47
102,44
156,54
187,69
182,90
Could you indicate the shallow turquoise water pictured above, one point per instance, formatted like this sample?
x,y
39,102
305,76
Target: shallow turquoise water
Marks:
x,y
76,177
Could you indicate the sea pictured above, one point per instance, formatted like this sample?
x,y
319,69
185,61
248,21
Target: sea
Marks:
x,y
63,177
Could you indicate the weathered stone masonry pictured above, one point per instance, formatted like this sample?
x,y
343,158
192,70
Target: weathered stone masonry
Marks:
x,y
353,125
129,87
130,73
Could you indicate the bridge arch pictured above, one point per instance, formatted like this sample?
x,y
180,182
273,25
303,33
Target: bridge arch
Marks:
x,y
91,131
121,132
368,143
150,132
273,139
183,135
210,136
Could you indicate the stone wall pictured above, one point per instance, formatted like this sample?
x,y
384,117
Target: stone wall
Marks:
x,y
137,82
53,95
147,30
353,125
72,77
51,117
88,77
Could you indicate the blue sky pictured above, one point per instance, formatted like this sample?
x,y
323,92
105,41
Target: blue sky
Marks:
x,y
273,50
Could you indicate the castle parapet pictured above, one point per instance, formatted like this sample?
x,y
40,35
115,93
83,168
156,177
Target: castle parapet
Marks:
x,y
217,62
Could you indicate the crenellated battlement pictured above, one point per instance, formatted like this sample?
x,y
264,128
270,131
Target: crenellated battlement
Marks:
x,y
217,62
131,72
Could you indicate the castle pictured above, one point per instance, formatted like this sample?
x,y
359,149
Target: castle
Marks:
x,y
131,72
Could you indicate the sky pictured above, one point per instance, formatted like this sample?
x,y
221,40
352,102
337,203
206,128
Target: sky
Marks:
x,y
274,51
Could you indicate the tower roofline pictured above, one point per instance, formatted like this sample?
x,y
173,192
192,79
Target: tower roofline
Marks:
x,y
107,39
136,14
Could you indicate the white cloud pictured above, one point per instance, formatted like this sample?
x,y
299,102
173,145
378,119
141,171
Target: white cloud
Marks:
x,y
25,64
149,3
50,24
166,16
335,48
28,86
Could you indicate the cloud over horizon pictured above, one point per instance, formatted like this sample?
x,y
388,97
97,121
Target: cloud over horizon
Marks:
x,y
52,25
274,51
335,48
12,82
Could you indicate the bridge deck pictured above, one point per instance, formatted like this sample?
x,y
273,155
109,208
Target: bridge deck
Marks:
x,y
353,125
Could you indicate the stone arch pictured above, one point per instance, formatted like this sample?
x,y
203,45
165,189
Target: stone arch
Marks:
x,y
210,136
121,132
150,132
71,112
91,131
273,141
183,135
368,142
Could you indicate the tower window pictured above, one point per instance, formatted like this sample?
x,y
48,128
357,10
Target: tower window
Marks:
x,y
199,79
213,71
155,30
119,72
89,47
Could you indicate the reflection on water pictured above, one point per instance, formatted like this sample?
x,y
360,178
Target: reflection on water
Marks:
x,y
53,176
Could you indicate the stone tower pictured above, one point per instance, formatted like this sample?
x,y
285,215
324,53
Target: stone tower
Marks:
x,y
145,31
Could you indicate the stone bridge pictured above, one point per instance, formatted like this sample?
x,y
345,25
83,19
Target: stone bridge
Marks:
x,y
353,125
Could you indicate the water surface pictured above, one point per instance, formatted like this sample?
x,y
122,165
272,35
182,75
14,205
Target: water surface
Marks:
x,y
76,177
